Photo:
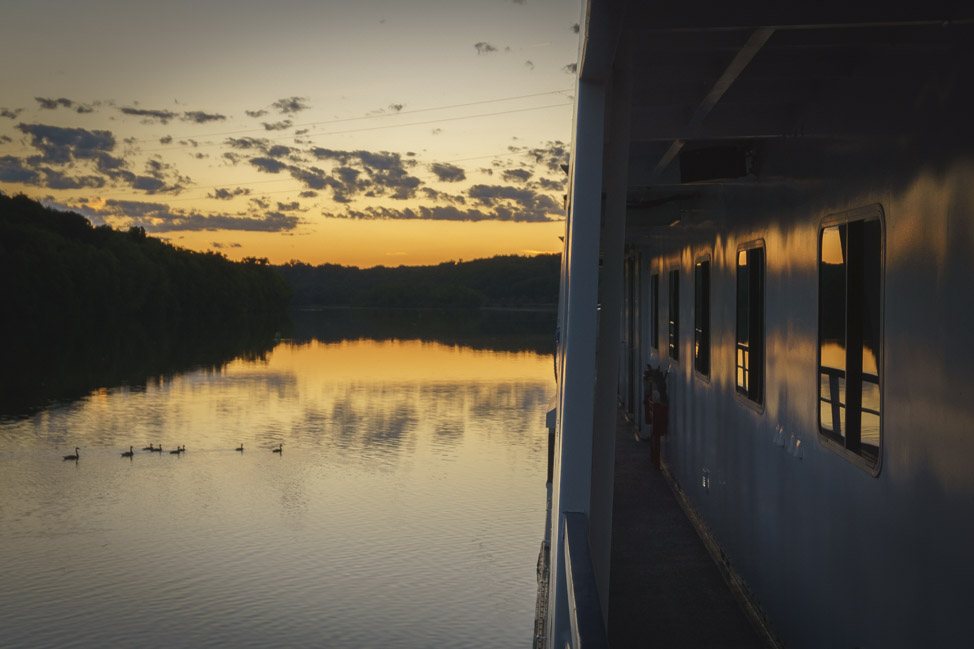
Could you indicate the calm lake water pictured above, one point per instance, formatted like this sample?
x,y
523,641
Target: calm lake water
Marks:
x,y
406,509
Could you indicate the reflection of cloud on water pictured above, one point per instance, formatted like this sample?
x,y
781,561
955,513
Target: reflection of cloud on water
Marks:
x,y
390,429
449,430
385,419
282,385
504,409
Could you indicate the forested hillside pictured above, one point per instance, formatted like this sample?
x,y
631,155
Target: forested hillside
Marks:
x,y
504,281
59,270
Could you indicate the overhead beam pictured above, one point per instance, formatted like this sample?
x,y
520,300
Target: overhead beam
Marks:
x,y
744,56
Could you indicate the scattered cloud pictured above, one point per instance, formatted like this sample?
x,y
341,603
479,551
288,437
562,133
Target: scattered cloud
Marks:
x,y
529,65
63,102
571,68
226,194
268,165
550,185
279,151
166,139
288,207
290,105
200,117
552,155
65,147
396,108
436,195
13,170
436,213
159,217
575,28
248,143
10,113
255,113
517,175
447,172
515,203
62,145
370,173
283,125
308,194
55,179
484,48
149,115
162,116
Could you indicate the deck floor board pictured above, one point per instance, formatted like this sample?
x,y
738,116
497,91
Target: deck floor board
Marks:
x,y
665,589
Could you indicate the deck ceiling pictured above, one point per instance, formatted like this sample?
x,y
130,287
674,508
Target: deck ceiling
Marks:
x,y
823,87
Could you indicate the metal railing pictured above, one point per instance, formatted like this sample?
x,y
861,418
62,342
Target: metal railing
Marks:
x,y
835,401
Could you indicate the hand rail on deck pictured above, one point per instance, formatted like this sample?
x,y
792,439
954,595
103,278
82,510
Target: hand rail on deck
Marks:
x,y
584,607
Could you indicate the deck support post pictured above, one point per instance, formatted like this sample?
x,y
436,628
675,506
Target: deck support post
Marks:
x,y
611,290
578,326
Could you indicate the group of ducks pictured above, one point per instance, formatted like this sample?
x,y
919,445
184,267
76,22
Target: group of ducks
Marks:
x,y
179,450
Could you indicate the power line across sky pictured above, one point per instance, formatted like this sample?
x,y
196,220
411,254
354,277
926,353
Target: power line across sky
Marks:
x,y
367,117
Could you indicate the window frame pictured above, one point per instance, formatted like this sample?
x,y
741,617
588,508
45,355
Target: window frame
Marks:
x,y
672,351
872,212
743,398
707,258
654,275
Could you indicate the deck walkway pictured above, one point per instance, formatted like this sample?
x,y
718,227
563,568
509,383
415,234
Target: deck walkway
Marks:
x,y
665,590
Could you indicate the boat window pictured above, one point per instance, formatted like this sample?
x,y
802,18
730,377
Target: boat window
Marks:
x,y
654,307
674,330
850,274
749,351
701,317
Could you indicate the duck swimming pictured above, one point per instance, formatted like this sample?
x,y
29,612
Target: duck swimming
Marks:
x,y
149,447
239,448
129,453
279,449
76,455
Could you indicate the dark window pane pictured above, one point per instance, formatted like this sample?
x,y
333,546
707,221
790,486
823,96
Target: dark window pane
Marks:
x,y
750,324
831,326
742,353
674,323
850,297
701,317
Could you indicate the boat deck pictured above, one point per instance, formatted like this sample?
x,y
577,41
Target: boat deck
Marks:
x,y
665,589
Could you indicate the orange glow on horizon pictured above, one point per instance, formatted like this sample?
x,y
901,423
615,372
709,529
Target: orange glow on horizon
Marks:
x,y
381,243
401,361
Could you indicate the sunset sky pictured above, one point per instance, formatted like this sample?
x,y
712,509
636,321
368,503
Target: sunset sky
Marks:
x,y
362,132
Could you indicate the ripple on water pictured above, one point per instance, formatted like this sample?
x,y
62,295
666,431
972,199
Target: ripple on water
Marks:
x,y
405,511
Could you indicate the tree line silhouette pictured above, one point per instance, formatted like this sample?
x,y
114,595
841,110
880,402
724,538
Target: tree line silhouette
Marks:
x,y
502,281
58,267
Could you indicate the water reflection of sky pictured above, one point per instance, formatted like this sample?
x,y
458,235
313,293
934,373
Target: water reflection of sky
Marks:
x,y
405,511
